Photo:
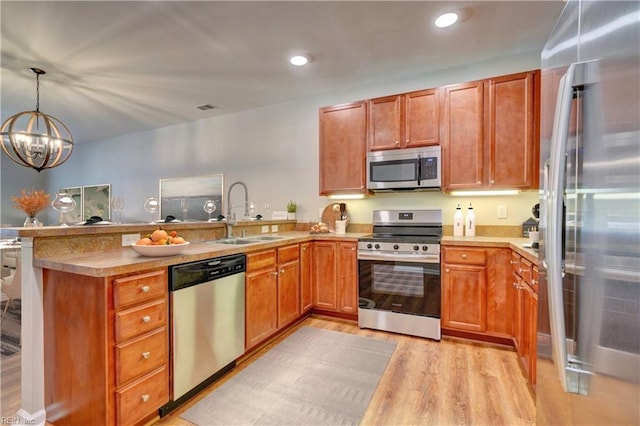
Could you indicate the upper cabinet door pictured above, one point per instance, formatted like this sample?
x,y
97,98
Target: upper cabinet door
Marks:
x,y
462,144
512,117
385,123
343,145
422,118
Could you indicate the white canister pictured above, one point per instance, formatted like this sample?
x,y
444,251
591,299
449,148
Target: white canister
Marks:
x,y
341,226
458,222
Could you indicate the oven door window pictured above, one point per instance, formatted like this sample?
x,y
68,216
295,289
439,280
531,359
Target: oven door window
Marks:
x,y
405,287
394,171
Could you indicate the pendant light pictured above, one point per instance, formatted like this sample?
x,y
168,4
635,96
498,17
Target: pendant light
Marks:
x,y
34,139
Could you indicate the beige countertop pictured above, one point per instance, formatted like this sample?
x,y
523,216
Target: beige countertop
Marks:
x,y
126,260
516,244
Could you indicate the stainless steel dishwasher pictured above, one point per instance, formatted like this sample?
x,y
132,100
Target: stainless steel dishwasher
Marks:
x,y
207,323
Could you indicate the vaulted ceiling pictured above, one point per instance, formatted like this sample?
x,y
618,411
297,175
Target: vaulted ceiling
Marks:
x,y
120,67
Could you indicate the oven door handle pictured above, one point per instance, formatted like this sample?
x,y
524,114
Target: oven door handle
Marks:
x,y
434,258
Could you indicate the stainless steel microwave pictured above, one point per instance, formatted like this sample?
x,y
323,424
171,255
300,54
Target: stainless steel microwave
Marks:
x,y
404,169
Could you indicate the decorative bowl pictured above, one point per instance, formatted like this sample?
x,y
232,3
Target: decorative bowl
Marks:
x,y
157,251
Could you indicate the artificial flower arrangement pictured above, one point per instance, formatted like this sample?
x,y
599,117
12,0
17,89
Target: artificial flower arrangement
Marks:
x,y
32,202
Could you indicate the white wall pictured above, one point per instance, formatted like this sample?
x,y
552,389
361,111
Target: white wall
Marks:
x,y
273,149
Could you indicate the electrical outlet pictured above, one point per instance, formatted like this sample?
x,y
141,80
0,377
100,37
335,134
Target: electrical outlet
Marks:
x,y
502,212
128,239
274,228
265,229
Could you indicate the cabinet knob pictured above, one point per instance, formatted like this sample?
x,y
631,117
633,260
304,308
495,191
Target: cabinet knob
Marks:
x,y
534,282
492,181
145,289
464,256
478,182
282,271
524,270
145,397
447,270
146,355
397,142
514,262
353,249
146,319
274,273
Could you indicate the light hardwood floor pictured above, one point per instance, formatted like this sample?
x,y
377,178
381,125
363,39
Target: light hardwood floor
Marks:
x,y
450,382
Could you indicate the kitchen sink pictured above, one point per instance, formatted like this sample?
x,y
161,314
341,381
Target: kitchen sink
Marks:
x,y
234,241
266,238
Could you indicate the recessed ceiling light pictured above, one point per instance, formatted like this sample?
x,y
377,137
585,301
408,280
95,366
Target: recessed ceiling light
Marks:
x,y
446,20
299,60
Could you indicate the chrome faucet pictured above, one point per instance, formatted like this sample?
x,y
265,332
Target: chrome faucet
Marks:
x,y
231,217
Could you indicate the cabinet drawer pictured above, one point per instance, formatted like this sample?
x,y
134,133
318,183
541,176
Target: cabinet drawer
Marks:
x,y
526,270
141,319
261,260
140,356
143,397
515,262
288,253
465,256
139,288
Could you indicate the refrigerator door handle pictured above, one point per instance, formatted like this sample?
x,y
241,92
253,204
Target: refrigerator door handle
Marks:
x,y
553,231
545,198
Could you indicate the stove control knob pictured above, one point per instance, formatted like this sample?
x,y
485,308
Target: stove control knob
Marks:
x,y
416,248
395,247
369,246
377,246
425,248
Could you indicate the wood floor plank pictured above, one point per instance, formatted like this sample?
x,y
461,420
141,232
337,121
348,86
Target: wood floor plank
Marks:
x,y
450,382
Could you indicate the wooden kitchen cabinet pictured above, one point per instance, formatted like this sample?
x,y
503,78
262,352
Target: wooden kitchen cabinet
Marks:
x,y
306,277
347,275
490,133
476,297
404,121
463,136
109,335
335,277
272,293
325,291
261,297
343,145
525,315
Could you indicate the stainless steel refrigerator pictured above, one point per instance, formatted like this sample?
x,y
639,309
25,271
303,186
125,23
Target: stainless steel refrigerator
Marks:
x,y
588,350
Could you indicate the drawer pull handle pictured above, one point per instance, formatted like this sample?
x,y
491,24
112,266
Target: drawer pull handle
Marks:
x,y
146,355
146,319
464,256
514,262
145,289
145,397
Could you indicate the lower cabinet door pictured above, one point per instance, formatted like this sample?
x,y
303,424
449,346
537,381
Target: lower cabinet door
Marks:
x,y
464,298
261,303
288,293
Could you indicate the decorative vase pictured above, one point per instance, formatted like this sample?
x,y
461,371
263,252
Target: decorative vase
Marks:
x,y
32,222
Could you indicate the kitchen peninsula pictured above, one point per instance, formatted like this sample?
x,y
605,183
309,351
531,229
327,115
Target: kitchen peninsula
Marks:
x,y
71,285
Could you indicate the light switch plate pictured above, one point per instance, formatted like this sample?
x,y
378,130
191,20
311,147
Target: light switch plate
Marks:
x,y
274,228
502,212
128,239
265,229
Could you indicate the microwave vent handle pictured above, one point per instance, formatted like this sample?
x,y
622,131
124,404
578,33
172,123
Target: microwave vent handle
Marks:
x,y
419,168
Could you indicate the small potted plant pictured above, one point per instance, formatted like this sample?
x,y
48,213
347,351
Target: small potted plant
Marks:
x,y
291,210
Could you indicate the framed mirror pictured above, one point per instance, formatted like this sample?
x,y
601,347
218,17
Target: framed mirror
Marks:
x,y
96,201
74,215
184,198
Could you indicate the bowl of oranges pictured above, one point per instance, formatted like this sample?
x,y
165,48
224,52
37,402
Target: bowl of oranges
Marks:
x,y
160,243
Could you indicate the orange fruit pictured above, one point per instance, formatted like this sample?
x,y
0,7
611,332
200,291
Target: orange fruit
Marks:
x,y
143,242
159,234
178,240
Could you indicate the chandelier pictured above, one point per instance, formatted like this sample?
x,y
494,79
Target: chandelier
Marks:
x,y
36,140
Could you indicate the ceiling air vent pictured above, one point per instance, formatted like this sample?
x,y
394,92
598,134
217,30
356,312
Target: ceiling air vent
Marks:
x,y
206,107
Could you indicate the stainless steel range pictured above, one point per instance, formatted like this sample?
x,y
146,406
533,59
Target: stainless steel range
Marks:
x,y
399,273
